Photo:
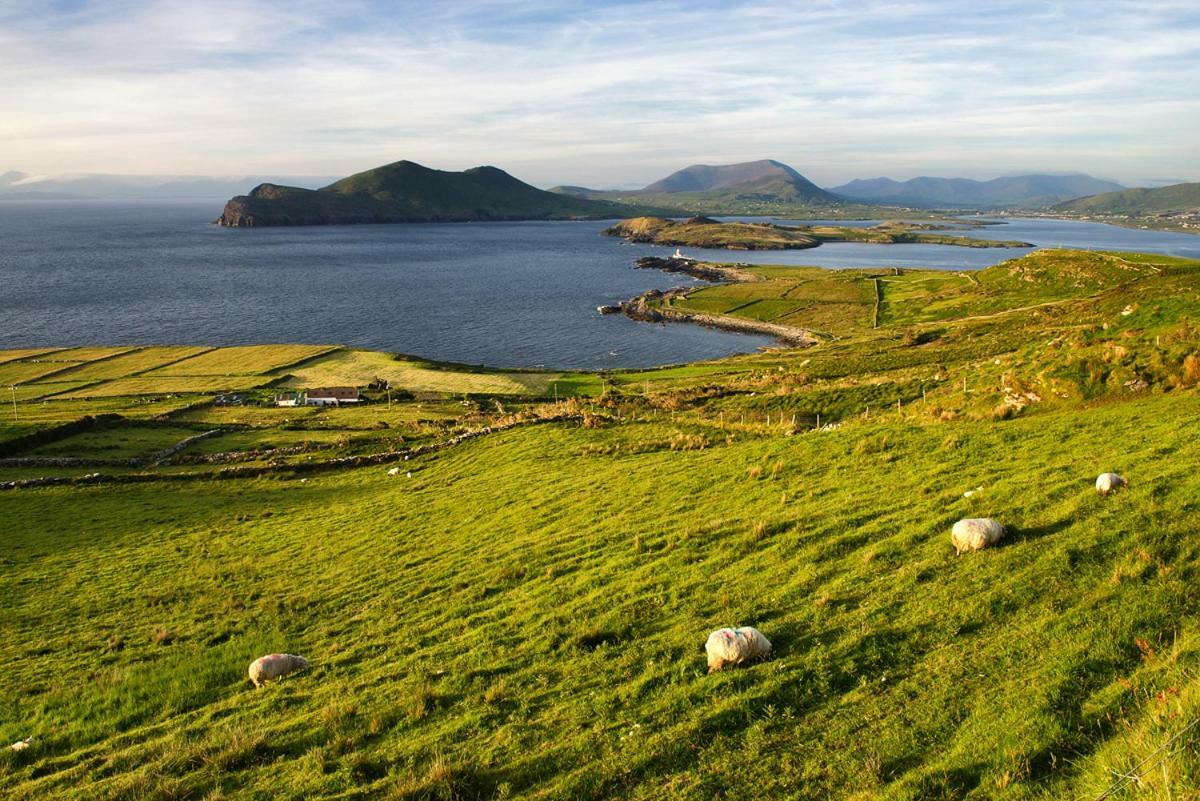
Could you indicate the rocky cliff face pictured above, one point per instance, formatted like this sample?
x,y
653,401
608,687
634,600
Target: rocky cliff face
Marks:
x,y
272,205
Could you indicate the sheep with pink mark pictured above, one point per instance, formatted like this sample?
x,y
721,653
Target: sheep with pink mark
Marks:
x,y
733,647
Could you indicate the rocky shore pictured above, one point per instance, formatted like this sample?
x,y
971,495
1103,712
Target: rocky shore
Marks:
x,y
706,271
654,305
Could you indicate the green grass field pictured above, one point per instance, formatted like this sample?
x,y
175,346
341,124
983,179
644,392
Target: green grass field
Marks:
x,y
358,367
133,363
123,443
524,615
244,360
167,385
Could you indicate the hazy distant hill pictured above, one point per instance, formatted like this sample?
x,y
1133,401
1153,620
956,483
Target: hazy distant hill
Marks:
x,y
22,186
1163,200
1029,191
408,192
765,185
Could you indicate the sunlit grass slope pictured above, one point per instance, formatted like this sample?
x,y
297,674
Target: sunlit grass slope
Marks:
x,y
524,615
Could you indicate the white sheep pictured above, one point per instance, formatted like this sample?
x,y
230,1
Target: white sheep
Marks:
x,y
1109,482
728,647
21,745
272,666
975,533
395,471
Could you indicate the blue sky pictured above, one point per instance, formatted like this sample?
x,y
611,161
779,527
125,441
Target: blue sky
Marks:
x,y
603,94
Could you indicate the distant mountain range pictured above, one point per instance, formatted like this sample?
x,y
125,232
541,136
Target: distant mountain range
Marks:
x,y
408,192
16,185
768,185
1021,191
1177,199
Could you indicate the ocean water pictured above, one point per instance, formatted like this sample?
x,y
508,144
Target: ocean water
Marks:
x,y
499,294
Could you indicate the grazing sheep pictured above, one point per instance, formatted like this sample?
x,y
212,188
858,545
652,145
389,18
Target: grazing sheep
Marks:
x,y
395,471
728,647
273,666
21,745
1109,482
975,533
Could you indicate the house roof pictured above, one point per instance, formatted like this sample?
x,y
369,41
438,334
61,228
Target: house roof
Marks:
x,y
336,393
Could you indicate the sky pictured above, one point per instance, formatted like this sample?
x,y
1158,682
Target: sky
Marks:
x,y
605,94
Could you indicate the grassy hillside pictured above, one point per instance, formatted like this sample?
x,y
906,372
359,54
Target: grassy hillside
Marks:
x,y
1171,208
524,615
408,192
1164,199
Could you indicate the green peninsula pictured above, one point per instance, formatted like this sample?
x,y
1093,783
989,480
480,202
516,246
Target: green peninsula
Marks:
x,y
704,232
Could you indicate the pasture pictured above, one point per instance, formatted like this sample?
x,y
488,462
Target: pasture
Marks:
x,y
520,613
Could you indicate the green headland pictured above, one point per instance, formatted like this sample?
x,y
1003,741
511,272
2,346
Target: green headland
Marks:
x,y
408,192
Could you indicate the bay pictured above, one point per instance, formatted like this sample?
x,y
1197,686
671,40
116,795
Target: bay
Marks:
x,y
499,294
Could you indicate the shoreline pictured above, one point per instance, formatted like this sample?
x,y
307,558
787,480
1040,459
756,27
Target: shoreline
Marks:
x,y
639,308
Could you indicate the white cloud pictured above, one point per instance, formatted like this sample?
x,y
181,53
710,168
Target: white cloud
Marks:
x,y
602,93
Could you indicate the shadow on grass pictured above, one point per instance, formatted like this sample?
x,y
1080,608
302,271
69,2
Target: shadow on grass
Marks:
x,y
952,783
1017,534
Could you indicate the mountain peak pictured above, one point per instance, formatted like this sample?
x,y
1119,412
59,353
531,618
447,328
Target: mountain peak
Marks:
x,y
707,177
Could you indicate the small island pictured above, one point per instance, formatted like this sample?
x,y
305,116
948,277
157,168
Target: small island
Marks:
x,y
705,232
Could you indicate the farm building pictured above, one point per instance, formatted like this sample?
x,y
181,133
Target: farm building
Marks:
x,y
289,399
332,396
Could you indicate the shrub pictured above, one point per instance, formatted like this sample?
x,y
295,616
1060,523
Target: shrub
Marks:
x,y
1191,370
688,442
